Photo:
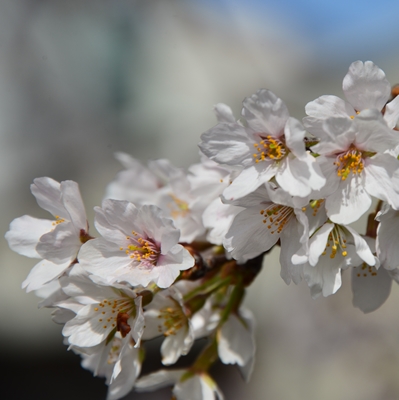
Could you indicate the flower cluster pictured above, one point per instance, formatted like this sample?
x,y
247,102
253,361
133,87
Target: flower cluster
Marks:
x,y
177,249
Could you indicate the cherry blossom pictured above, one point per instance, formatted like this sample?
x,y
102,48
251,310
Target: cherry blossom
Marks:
x,y
271,145
57,241
137,246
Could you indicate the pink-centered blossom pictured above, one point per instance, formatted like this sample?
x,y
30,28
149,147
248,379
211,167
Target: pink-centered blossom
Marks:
x,y
137,246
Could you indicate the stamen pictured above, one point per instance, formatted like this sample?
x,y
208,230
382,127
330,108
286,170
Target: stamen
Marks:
x,y
125,308
58,220
142,250
276,217
367,270
350,161
269,148
315,205
178,208
337,241
174,319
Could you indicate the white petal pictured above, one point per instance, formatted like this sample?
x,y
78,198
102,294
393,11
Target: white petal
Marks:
x,y
299,177
365,86
173,346
60,245
25,233
349,202
323,108
217,218
388,239
292,244
158,380
86,329
372,133
318,243
381,178
73,203
294,134
338,136
249,180
265,113
248,235
247,369
130,367
235,343
116,219
324,278
227,144
103,259
362,248
223,113
43,272
370,287
161,230
48,195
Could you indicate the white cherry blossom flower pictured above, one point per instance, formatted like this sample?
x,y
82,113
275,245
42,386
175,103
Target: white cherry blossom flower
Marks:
x,y
271,214
355,141
136,183
236,342
365,87
271,145
331,249
165,186
57,241
101,311
357,167
138,246
165,315
179,202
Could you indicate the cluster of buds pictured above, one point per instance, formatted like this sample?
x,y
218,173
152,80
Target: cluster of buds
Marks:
x,y
177,249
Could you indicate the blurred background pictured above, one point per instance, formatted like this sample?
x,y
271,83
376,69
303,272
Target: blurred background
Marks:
x,y
80,80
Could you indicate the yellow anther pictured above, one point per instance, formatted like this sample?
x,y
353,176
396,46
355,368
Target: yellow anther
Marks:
x,y
269,149
351,161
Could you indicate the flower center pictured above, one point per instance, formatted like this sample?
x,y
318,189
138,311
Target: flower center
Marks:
x,y
178,208
114,313
350,161
174,319
337,242
366,270
142,250
58,220
269,148
276,217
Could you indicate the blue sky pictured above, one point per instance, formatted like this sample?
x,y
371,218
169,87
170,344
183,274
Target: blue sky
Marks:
x,y
335,28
